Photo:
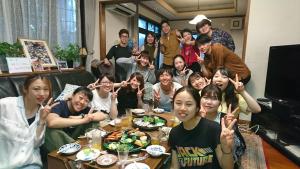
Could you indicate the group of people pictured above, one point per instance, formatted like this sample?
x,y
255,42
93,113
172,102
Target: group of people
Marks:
x,y
201,81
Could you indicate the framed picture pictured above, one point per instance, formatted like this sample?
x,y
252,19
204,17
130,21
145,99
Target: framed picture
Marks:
x,y
236,23
62,64
38,50
37,66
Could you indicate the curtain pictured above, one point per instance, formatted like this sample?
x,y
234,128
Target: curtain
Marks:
x,y
55,21
90,7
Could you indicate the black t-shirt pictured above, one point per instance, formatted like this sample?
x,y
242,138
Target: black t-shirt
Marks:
x,y
126,99
63,111
196,148
117,52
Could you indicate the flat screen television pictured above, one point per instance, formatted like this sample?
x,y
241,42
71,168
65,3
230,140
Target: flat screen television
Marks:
x,y
283,74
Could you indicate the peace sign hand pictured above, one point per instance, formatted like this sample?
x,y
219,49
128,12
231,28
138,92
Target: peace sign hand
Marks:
x,y
239,86
229,117
45,110
140,92
156,95
199,59
227,136
151,66
182,73
114,93
94,85
125,83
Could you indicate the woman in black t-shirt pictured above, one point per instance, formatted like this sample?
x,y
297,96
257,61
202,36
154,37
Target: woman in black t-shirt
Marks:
x,y
131,94
198,142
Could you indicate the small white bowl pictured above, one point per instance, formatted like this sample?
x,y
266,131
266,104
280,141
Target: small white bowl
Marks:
x,y
156,150
158,110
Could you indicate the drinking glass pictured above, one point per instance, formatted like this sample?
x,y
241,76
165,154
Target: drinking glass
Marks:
x,y
118,123
129,117
96,139
122,155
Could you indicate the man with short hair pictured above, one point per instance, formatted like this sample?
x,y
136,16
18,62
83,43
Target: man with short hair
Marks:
x,y
216,56
203,27
122,50
169,44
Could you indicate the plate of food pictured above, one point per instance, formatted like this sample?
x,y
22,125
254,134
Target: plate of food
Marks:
x,y
87,154
149,122
158,110
134,140
69,148
107,160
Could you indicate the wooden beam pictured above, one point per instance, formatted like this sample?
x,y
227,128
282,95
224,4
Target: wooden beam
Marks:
x,y
102,31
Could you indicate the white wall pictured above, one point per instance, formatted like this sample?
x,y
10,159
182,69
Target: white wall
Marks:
x,y
222,23
270,23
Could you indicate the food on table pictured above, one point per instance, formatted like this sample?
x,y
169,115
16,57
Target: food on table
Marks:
x,y
133,140
149,122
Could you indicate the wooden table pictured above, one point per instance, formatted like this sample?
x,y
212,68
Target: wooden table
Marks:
x,y
58,161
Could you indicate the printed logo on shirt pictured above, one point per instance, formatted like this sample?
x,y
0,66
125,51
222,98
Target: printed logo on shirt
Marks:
x,y
194,156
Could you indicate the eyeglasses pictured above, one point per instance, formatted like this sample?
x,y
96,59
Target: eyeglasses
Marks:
x,y
106,83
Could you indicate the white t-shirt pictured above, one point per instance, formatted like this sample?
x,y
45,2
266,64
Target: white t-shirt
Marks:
x,y
101,104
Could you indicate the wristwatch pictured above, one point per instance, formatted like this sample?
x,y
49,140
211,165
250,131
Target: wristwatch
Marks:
x,y
82,115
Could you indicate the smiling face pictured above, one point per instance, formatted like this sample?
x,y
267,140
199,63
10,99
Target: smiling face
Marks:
x,y
165,78
187,36
185,107
198,83
205,29
107,85
38,91
79,101
144,61
204,48
165,28
220,80
179,63
210,103
124,38
150,39
134,83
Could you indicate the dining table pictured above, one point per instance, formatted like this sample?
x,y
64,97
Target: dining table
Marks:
x,y
60,161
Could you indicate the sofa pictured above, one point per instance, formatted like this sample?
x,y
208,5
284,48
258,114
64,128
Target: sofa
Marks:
x,y
11,85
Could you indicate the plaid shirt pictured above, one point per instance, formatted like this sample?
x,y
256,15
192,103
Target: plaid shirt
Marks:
x,y
222,37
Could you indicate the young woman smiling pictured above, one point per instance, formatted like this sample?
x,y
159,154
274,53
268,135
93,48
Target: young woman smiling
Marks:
x,y
23,123
198,142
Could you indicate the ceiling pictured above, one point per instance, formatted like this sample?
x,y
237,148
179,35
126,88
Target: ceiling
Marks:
x,y
188,9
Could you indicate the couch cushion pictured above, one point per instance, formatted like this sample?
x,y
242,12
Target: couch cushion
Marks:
x,y
77,78
6,88
68,91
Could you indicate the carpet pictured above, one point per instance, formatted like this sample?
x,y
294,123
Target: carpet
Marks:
x,y
254,157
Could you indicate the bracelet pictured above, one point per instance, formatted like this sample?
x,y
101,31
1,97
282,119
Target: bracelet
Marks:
x,y
225,152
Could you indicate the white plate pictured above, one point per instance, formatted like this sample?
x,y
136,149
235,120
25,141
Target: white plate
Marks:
x,y
107,159
87,154
137,166
155,150
158,110
138,111
69,148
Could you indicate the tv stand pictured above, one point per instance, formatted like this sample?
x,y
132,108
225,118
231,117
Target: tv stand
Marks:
x,y
278,128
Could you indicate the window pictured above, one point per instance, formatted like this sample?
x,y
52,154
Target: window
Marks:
x,y
57,22
145,26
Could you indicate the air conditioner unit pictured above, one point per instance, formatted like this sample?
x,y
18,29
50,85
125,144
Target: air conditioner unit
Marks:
x,y
121,9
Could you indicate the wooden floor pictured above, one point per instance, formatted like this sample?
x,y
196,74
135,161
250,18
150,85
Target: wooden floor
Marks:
x,y
276,160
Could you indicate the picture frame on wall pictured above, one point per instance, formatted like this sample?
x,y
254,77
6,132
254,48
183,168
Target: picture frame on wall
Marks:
x,y
236,23
38,50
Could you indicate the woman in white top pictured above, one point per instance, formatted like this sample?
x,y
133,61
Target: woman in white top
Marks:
x,y
23,122
180,71
165,89
104,97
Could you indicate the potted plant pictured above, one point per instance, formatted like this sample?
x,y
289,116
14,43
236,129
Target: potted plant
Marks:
x,y
9,50
69,54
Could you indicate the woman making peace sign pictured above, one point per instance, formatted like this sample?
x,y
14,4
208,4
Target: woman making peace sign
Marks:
x,y
23,123
198,142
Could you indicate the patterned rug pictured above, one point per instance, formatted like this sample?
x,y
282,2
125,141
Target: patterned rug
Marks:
x,y
254,157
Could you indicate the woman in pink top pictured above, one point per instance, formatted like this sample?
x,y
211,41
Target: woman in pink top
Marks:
x,y
189,51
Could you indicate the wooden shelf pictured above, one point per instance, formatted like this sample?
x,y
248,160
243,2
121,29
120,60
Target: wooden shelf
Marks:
x,y
80,69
